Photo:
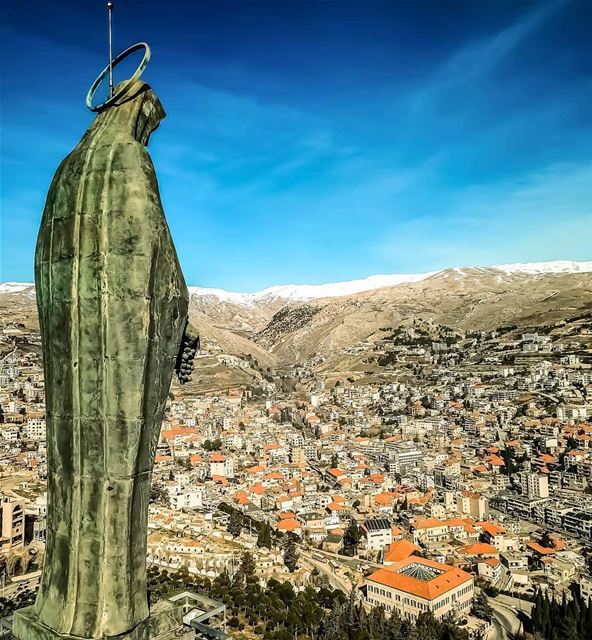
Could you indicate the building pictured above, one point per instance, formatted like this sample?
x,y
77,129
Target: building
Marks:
x,y
13,524
378,532
416,585
578,523
534,485
405,460
221,466
36,429
472,504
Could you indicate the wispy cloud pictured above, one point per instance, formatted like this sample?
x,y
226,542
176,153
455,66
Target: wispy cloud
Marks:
x,y
479,58
503,223
312,164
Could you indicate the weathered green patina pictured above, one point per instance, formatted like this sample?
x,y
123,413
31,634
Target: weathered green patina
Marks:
x,y
112,306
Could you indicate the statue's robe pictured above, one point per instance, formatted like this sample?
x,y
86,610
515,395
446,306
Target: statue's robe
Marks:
x,y
112,306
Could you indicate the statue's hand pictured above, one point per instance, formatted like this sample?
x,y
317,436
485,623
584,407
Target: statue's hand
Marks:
x,y
189,346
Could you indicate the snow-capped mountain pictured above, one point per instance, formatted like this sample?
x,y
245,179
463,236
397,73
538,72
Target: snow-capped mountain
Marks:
x,y
286,324
557,266
303,292
16,287
312,291
528,268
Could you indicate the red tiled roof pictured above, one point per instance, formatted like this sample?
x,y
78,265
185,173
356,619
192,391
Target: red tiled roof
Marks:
x,y
450,578
400,550
290,524
479,549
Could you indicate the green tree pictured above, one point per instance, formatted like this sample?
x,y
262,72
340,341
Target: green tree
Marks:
x,y
351,539
546,540
158,494
235,524
290,555
246,569
264,536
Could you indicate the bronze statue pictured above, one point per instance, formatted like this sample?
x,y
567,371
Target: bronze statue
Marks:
x,y
112,305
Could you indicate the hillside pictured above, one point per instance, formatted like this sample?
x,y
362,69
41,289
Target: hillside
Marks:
x,y
280,331
466,299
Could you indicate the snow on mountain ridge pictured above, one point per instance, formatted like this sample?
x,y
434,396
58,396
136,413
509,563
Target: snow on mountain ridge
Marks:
x,y
350,287
311,291
556,266
15,287
336,289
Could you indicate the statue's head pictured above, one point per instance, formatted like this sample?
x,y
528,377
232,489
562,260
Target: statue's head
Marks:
x,y
139,111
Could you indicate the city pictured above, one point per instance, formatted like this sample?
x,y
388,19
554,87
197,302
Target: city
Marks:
x,y
451,473
295,320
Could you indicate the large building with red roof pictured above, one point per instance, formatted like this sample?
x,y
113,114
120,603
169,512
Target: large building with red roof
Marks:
x,y
416,585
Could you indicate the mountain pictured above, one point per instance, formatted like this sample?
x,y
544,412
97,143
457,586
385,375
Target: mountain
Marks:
x,y
300,292
286,324
465,299
311,291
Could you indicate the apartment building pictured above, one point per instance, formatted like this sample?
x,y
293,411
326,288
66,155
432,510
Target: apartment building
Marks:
x,y
36,429
13,524
534,485
472,504
378,533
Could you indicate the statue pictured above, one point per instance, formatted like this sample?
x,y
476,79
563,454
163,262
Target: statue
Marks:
x,y
112,305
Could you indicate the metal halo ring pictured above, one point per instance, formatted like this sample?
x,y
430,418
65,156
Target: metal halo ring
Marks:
x,y
137,73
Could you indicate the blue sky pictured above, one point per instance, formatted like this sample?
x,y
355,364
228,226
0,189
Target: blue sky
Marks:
x,y
311,142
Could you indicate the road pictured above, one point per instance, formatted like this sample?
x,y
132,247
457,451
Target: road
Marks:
x,y
352,563
8,589
505,620
335,580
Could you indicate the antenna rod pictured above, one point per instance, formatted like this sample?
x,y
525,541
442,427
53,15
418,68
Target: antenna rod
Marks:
x,y
110,11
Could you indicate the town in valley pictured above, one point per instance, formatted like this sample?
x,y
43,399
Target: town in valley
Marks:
x,y
429,466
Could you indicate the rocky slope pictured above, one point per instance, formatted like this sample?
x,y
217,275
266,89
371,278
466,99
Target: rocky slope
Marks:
x,y
464,299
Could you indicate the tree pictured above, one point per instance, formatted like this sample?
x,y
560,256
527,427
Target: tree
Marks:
x,y
510,466
565,620
351,539
572,443
290,555
491,591
546,540
481,608
158,494
264,536
235,524
246,568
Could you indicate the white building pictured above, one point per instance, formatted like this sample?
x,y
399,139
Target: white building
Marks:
x,y
35,430
378,532
221,466
534,485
